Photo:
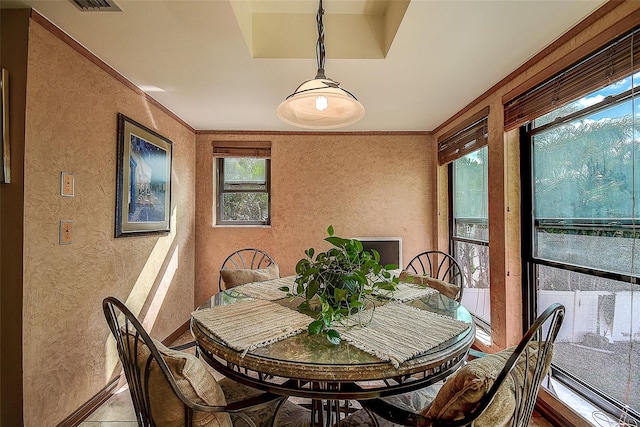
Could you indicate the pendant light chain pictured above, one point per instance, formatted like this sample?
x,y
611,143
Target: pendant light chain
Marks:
x,y
320,50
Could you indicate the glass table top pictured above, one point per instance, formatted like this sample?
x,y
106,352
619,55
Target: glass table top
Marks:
x,y
313,357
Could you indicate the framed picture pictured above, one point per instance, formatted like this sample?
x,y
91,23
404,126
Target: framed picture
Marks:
x,y
5,174
143,188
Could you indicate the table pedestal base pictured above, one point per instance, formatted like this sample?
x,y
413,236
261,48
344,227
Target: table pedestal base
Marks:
x,y
327,413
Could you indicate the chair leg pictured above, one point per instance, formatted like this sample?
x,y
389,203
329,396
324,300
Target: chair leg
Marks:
x,y
374,420
280,405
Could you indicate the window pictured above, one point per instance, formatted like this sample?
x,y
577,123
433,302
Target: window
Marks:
x,y
243,184
470,236
582,160
465,149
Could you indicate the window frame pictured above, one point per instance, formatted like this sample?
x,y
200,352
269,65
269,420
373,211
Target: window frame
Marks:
x,y
531,262
467,137
454,239
220,193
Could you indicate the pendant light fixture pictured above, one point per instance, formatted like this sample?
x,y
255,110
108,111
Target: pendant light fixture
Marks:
x,y
320,103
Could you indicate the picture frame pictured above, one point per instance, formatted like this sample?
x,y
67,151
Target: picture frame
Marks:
x,y
5,146
143,181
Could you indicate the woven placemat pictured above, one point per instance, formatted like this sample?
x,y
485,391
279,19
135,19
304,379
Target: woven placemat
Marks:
x,y
405,292
250,324
268,289
398,332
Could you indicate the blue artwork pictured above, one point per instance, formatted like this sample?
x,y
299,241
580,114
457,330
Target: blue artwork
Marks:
x,y
148,184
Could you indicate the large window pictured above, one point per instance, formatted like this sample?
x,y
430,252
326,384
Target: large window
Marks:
x,y
464,149
583,161
242,182
470,231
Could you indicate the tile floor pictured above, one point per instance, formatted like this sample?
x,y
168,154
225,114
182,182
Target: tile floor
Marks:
x,y
118,410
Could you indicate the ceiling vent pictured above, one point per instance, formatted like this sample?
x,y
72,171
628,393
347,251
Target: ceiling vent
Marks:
x,y
97,5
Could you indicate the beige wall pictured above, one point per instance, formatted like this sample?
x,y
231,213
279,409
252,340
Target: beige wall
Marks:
x,y
365,185
362,184
71,111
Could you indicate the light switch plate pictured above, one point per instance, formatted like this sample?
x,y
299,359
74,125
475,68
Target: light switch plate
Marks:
x,y
67,184
66,232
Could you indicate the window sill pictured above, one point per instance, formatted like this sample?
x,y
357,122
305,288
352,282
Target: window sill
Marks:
x,y
566,408
483,337
242,226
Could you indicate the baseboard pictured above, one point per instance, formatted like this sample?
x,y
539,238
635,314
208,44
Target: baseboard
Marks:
x,y
177,333
82,413
94,403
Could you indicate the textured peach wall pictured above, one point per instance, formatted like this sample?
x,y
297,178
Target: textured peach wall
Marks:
x,y
72,108
363,185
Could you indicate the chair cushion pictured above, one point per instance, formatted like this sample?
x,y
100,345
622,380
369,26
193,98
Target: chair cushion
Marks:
x,y
461,392
193,380
245,275
445,288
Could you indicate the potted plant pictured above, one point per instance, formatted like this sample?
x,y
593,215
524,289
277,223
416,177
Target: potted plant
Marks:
x,y
338,282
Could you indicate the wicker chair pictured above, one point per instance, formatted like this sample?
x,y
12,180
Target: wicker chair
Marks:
x,y
243,259
438,265
475,395
170,387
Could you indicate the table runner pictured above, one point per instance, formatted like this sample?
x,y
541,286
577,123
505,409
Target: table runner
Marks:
x,y
398,332
250,324
405,292
268,289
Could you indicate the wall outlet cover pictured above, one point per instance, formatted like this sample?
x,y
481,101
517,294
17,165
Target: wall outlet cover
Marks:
x,y
66,232
67,184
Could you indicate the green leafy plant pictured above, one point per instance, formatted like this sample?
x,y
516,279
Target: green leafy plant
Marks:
x,y
338,282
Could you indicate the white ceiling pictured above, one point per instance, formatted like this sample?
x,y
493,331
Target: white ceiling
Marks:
x,y
445,54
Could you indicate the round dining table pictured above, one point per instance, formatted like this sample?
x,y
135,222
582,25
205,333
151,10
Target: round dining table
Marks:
x,y
294,363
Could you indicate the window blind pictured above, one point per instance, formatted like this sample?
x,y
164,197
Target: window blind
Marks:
x,y
469,136
608,64
258,149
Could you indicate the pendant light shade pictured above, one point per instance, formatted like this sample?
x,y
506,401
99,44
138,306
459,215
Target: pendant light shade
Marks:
x,y
320,103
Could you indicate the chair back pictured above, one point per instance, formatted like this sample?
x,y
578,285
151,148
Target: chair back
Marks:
x,y
133,343
533,354
247,258
438,265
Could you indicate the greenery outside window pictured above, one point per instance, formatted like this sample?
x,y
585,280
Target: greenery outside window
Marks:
x,y
583,247
243,183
